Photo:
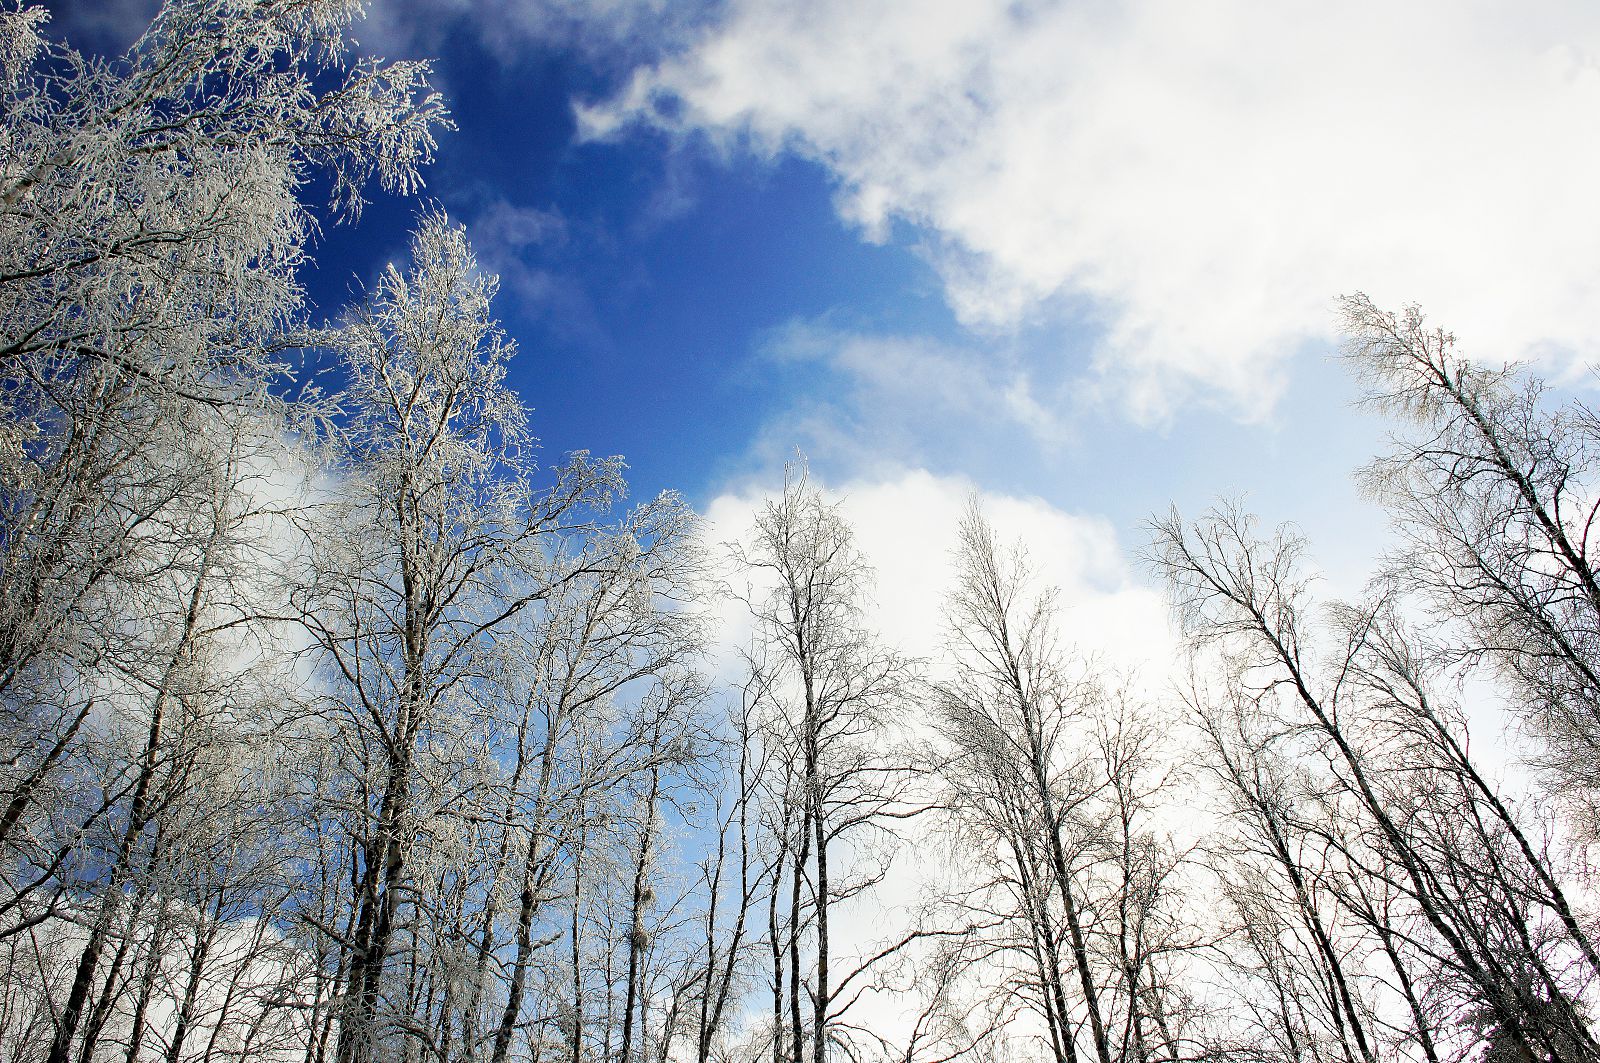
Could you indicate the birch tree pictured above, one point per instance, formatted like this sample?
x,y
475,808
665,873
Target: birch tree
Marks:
x,y
456,604
434,544
150,238
1494,497
838,785
1396,836
1052,780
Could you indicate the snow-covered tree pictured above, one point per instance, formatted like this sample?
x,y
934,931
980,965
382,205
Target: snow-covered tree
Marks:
x,y
151,234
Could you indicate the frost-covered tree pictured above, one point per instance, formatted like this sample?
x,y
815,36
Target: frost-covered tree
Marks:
x,y
1391,896
1493,491
434,542
151,233
832,701
482,637
1055,781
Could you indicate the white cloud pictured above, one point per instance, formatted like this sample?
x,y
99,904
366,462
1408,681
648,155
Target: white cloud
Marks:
x,y
597,29
1200,179
905,524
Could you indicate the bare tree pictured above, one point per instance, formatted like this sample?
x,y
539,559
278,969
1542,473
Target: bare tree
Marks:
x,y
831,699
585,735
1059,775
1494,499
1402,836
736,868
150,237
437,544
503,666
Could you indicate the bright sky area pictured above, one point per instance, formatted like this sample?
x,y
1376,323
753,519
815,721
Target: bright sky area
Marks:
x,y
1080,257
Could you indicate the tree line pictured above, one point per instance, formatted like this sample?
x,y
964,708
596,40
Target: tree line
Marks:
x,y
335,728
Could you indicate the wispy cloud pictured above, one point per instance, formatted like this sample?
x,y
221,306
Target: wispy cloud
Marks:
x,y
609,31
526,247
895,397
1203,179
104,28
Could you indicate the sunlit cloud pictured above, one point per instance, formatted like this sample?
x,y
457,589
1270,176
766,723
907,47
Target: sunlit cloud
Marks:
x,y
1196,181
905,525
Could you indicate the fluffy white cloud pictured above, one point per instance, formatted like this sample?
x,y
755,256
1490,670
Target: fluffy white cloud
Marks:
x,y
1200,180
905,525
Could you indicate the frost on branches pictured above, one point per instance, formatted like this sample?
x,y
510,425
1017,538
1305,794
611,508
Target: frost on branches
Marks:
x,y
338,724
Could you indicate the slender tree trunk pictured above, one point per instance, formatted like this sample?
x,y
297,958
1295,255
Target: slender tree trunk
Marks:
x,y
816,837
797,1023
528,898
140,809
775,942
1047,957
191,990
578,1002
711,1010
491,907
107,998
383,867
1062,869
822,998
636,931
714,890
147,980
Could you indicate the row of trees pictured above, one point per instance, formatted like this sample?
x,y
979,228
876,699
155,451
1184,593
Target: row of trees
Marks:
x,y
335,728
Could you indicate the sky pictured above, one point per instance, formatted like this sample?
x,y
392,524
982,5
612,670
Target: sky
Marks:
x,y
1081,258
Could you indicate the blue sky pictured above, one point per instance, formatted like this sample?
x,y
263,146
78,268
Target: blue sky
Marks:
x,y
1079,253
